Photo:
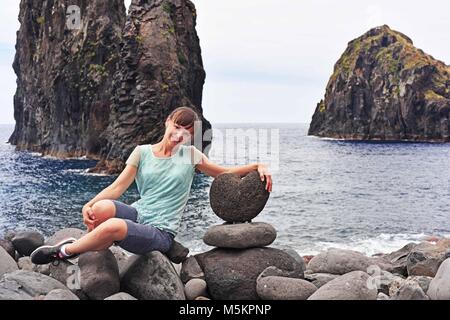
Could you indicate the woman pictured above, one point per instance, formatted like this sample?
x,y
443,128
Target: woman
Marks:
x,y
163,182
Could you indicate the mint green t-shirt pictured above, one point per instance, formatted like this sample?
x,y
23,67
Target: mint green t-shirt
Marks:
x,y
164,185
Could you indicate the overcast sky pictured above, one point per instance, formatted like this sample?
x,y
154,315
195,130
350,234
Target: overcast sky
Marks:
x,y
270,60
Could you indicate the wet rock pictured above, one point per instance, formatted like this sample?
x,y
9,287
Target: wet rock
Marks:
x,y
152,277
25,242
240,235
236,199
350,286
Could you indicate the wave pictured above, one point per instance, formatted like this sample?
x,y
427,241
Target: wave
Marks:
x,y
383,243
84,172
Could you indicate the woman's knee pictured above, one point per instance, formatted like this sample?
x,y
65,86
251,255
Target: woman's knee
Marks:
x,y
115,227
104,210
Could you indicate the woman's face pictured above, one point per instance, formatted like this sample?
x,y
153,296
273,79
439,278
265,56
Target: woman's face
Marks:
x,y
177,134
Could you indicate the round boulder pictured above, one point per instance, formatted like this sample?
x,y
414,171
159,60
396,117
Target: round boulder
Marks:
x,y
8,246
195,288
439,288
190,269
25,242
64,234
236,199
240,235
354,285
231,274
283,288
121,296
339,261
61,294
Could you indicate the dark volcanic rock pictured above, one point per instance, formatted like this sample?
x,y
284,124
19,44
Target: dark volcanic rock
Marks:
x,y
100,89
160,69
26,241
99,274
240,235
64,75
231,274
383,88
236,199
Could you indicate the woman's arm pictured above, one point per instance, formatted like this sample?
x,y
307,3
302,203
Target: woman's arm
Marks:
x,y
211,169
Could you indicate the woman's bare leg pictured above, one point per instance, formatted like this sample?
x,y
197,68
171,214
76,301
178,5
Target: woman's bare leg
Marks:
x,y
100,238
103,211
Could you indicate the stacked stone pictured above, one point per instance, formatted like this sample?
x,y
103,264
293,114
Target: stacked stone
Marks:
x,y
241,256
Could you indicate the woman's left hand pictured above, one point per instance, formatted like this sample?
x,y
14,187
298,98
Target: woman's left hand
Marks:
x,y
264,173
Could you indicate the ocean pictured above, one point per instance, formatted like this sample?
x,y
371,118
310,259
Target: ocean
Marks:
x,y
367,196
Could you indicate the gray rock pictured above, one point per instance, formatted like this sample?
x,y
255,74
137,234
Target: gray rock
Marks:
x,y
61,294
319,279
385,281
9,235
274,271
339,261
439,288
283,288
231,274
190,269
24,263
26,241
42,268
177,252
121,296
294,254
350,286
152,277
7,264
399,259
410,290
8,246
99,274
66,273
236,199
31,283
422,281
195,288
425,258
240,235
64,234
121,256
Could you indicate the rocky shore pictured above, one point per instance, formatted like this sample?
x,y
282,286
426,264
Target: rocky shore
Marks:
x,y
240,266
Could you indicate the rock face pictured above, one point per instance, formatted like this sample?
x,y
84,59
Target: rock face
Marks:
x,y
383,88
64,75
7,263
236,199
80,87
439,288
231,274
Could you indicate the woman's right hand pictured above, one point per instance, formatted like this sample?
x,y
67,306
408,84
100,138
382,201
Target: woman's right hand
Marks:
x,y
88,217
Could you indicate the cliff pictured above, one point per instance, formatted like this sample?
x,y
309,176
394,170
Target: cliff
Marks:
x,y
384,88
101,89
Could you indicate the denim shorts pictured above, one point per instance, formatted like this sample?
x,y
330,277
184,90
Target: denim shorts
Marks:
x,y
141,238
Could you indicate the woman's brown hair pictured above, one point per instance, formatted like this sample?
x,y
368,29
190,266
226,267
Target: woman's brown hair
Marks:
x,y
184,116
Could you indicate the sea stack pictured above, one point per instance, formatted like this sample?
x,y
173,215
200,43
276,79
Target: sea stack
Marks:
x,y
100,87
384,88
